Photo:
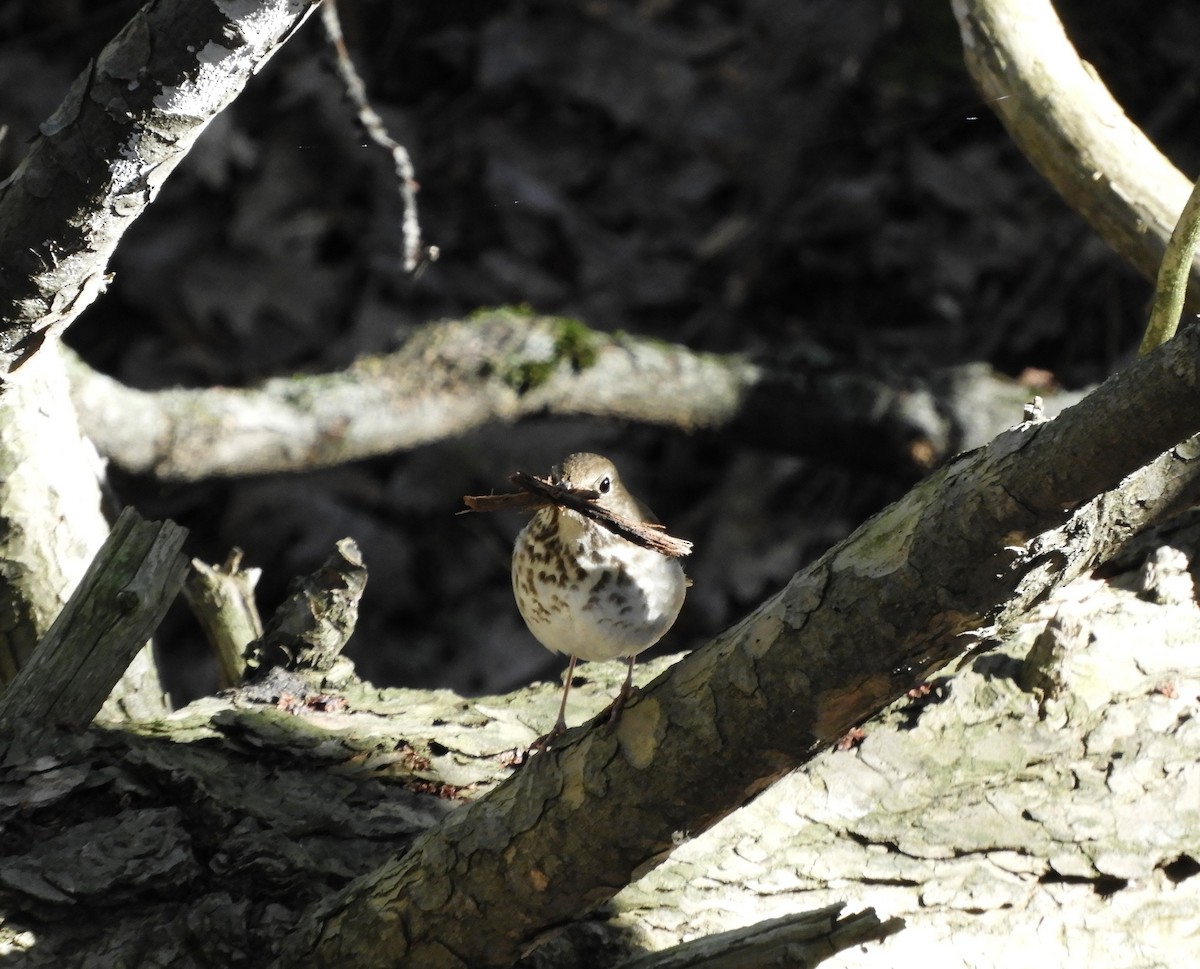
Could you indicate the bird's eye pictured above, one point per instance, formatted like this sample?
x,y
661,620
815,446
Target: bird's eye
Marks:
x,y
605,486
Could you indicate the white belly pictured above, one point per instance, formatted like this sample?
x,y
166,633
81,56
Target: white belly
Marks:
x,y
617,599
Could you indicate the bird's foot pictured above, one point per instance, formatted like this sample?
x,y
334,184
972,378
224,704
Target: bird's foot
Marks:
x,y
545,740
617,707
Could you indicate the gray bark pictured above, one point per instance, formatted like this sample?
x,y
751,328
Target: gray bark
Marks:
x,y
240,830
1006,826
127,120
503,366
51,516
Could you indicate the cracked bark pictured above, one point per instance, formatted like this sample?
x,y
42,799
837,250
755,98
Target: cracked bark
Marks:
x,y
126,122
1056,827
251,813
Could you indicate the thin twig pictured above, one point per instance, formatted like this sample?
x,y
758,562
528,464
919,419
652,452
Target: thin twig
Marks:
x,y
513,501
1173,274
539,493
416,254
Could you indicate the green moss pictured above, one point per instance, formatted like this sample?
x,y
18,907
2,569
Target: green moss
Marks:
x,y
524,375
574,344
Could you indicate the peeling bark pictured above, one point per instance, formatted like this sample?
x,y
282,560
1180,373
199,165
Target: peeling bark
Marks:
x,y
1005,826
984,815
230,831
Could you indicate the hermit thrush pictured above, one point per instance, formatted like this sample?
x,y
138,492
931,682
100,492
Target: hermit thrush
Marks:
x,y
586,592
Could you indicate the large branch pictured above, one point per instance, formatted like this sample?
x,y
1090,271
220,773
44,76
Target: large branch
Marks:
x,y
1064,120
100,160
973,546
126,122
996,811
501,366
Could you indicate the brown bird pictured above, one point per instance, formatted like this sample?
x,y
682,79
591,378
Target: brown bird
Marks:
x,y
587,592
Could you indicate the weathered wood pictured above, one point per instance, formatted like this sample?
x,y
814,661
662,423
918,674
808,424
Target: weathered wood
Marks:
x,y
309,630
1053,828
449,378
51,506
222,599
803,939
127,121
119,603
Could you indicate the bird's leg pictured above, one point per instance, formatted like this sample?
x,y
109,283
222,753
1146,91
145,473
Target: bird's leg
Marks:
x,y
560,726
627,691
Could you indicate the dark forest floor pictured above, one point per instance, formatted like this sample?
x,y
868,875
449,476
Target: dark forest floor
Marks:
x,y
814,181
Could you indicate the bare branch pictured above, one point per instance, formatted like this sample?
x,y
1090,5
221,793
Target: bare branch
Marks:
x,y
415,253
222,599
1170,290
1064,120
117,606
455,376
100,160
